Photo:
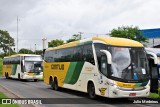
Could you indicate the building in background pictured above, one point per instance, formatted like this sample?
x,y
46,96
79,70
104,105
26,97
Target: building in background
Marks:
x,y
153,35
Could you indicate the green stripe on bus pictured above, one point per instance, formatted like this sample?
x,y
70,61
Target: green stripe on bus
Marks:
x,y
138,84
144,83
73,72
14,69
76,73
70,72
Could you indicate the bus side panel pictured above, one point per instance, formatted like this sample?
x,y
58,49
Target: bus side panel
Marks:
x,y
7,69
87,74
46,72
73,72
56,69
16,69
72,77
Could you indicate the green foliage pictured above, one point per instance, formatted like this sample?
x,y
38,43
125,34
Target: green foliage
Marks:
x,y
129,32
55,43
2,55
6,42
25,51
2,95
153,95
39,52
70,40
75,37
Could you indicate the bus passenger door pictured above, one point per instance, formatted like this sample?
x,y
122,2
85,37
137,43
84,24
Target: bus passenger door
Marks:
x,y
154,76
103,66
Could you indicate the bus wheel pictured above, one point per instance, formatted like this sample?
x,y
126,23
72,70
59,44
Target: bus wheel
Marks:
x,y
35,80
19,78
91,91
55,84
6,75
51,82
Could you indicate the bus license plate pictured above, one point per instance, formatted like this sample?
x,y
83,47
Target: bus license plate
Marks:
x,y
132,94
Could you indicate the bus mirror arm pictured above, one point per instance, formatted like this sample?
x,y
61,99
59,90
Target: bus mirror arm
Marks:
x,y
23,61
108,54
154,57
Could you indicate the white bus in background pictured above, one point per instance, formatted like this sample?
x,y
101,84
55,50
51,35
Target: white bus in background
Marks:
x,y
154,64
23,67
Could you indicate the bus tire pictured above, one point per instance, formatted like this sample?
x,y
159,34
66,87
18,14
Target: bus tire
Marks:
x,y
55,84
19,77
51,82
91,90
35,80
6,75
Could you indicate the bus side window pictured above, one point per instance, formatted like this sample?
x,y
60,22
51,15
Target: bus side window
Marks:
x,y
99,47
77,53
88,53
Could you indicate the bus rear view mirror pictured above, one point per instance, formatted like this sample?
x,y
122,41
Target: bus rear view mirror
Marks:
x,y
108,54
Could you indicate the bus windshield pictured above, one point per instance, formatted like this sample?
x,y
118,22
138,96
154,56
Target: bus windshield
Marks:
x,y
129,64
32,66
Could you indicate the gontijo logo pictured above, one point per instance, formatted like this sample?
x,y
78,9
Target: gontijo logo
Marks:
x,y
57,66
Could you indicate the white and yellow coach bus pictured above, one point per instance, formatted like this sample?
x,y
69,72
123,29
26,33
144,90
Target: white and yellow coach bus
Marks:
x,y
23,66
104,66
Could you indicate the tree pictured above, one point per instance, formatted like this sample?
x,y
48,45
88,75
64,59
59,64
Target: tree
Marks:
x,y
129,32
25,51
74,37
55,43
39,52
6,42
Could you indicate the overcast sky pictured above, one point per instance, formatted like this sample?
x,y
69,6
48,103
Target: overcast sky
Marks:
x,y
60,19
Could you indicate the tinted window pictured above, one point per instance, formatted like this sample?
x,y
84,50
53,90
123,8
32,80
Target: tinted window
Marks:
x,y
88,54
12,60
99,47
72,54
78,53
48,56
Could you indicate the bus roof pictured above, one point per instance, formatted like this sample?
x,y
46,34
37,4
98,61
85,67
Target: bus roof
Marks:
x,y
114,41
21,55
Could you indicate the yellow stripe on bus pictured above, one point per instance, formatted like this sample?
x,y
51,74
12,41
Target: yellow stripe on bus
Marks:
x,y
125,85
118,41
7,69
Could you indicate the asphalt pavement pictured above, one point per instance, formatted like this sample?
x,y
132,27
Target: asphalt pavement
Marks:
x,y
64,97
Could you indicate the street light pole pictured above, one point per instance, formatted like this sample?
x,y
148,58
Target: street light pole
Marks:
x,y
44,43
35,48
17,34
80,34
9,48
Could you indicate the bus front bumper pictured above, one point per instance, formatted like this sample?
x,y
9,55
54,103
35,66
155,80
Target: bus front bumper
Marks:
x,y
117,93
32,77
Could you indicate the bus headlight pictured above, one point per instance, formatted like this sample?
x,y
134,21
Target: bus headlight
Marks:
x,y
41,73
25,73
